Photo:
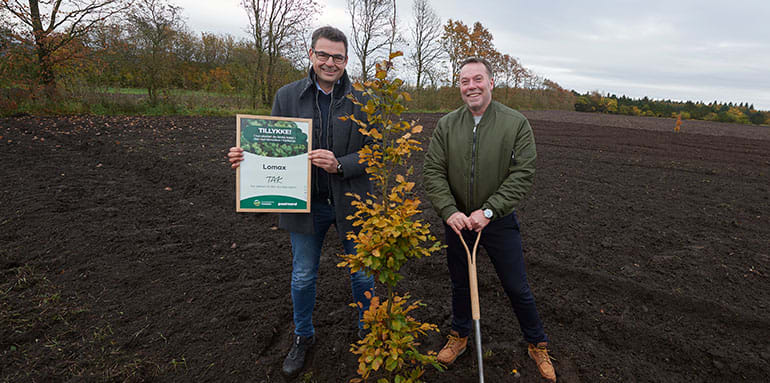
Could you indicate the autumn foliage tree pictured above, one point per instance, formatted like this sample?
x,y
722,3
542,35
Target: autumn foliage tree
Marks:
x,y
455,40
461,42
389,235
510,73
53,25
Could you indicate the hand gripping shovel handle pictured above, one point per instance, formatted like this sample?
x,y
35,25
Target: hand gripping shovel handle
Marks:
x,y
474,287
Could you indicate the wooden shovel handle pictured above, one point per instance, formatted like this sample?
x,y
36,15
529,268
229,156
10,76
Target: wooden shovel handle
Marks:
x,y
473,281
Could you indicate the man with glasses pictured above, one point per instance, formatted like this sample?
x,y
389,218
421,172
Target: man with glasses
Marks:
x,y
322,96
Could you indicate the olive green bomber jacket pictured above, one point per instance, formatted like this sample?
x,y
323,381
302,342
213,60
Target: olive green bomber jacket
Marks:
x,y
493,167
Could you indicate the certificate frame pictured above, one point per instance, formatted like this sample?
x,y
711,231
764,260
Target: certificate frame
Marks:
x,y
274,176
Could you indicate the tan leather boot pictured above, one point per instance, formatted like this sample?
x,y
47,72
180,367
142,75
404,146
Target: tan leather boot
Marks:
x,y
454,347
539,353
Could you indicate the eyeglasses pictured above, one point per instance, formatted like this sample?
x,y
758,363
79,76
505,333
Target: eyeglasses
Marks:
x,y
323,56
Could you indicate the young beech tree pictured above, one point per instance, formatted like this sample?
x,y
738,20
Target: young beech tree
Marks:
x,y
389,236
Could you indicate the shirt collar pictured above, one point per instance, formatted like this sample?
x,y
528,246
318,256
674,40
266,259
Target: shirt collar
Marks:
x,y
323,91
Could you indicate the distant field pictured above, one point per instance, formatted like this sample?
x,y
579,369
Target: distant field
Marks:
x,y
660,124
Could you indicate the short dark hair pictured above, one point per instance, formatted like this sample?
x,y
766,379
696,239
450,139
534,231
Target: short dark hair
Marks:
x,y
330,33
478,60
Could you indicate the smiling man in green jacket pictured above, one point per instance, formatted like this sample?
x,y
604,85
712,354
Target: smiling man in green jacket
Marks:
x,y
480,164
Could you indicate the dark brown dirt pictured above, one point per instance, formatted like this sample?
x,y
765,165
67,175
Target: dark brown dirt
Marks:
x,y
122,258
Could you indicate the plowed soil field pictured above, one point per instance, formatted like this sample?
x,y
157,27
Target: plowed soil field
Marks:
x,y
122,257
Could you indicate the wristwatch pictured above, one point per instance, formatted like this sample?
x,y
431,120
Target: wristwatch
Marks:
x,y
339,168
488,213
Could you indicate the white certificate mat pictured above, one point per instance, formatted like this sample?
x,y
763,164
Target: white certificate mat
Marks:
x,y
274,175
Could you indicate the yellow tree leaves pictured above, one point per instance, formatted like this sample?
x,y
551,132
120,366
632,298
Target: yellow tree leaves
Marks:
x,y
391,343
389,233
461,42
678,123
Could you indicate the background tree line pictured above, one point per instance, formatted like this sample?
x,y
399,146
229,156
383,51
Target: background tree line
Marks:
x,y
84,51
139,56
743,113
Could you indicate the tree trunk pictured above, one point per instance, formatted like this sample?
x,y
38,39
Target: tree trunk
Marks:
x,y
364,75
45,69
259,78
254,90
269,83
45,74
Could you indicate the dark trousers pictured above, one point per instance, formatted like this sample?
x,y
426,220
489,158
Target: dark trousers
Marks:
x,y
502,241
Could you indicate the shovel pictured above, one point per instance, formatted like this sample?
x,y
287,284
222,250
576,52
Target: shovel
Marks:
x,y
474,286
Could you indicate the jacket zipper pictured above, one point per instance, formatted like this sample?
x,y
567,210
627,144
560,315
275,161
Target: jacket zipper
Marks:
x,y
473,166
330,198
315,168
329,142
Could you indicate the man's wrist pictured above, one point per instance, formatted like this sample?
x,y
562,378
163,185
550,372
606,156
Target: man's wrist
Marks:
x,y
448,211
339,169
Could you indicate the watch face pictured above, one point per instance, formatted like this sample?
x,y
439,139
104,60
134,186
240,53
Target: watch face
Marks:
x,y
487,213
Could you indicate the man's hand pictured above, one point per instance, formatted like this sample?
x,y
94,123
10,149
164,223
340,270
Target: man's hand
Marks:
x,y
459,221
478,221
235,156
324,159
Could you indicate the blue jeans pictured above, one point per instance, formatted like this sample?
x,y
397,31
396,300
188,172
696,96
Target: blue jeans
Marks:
x,y
306,251
502,241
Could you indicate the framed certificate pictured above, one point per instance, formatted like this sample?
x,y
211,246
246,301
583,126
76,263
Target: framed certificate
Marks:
x,y
275,173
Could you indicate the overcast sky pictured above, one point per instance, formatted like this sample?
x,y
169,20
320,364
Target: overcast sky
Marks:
x,y
682,50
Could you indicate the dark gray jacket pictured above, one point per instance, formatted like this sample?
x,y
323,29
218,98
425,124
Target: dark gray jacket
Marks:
x,y
297,100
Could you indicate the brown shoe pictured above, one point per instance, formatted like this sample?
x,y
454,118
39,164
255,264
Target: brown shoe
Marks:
x,y
454,347
539,353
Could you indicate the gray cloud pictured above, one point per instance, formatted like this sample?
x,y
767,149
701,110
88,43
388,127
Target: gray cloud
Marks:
x,y
687,50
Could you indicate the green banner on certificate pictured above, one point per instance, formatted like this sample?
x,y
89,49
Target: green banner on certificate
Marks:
x,y
275,173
